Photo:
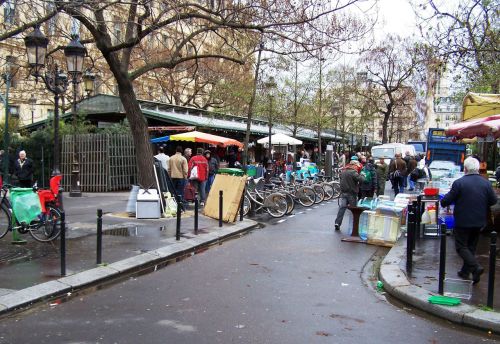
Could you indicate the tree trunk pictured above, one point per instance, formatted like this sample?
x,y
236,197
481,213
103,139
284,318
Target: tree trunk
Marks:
x,y
139,129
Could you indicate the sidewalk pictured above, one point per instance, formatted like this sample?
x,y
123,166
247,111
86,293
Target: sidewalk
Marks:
x,y
129,245
423,282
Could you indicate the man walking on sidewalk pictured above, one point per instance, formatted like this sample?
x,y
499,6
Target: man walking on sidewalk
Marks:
x,y
178,167
472,195
349,188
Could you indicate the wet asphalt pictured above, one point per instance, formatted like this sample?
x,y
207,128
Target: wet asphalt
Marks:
x,y
292,281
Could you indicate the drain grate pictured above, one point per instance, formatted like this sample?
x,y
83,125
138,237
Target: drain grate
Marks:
x,y
121,231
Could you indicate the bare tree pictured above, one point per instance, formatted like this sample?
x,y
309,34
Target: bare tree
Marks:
x,y
388,67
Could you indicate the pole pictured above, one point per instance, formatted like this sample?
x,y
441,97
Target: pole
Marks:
x,y
43,169
63,244
6,138
178,223
221,203
409,236
196,214
270,127
242,204
56,171
442,258
75,166
491,270
99,236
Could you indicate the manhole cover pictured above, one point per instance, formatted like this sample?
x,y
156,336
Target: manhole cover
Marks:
x,y
10,254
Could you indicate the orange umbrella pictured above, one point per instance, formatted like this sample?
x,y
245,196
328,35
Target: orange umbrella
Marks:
x,y
196,136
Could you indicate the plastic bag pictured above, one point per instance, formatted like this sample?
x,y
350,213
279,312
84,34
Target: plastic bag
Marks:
x,y
25,204
170,206
426,218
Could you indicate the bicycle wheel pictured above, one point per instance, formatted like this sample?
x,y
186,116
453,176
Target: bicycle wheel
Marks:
x,y
305,196
247,205
276,205
5,220
50,228
329,191
320,193
290,203
336,188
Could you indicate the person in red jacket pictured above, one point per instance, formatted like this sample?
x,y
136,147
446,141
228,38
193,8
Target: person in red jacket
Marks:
x,y
198,173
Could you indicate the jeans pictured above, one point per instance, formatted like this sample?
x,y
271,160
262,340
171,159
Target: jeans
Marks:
x,y
398,185
411,183
200,187
465,244
210,181
179,185
381,187
346,199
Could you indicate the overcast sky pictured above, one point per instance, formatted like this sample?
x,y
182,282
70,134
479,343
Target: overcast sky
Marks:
x,y
396,17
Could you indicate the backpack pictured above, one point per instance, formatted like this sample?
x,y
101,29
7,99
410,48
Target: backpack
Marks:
x,y
367,174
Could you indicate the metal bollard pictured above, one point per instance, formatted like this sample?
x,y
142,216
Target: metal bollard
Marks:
x,y
221,203
196,215
491,269
416,227
410,229
63,244
99,236
242,205
418,218
178,223
442,258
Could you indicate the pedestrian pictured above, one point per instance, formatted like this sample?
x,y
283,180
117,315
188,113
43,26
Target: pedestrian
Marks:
x,y
354,162
187,153
397,173
178,168
406,159
349,188
411,165
163,158
23,169
198,179
472,196
231,159
369,186
213,167
382,171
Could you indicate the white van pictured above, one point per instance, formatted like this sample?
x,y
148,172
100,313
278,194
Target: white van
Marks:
x,y
389,150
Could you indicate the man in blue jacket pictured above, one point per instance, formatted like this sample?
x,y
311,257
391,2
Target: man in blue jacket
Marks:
x,y
472,195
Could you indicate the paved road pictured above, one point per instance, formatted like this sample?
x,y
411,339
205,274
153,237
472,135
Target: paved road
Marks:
x,y
290,282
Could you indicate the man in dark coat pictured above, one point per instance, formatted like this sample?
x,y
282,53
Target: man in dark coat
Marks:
x,y
397,173
349,188
23,169
472,195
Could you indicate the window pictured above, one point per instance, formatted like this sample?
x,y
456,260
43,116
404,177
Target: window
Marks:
x,y
117,30
50,113
9,12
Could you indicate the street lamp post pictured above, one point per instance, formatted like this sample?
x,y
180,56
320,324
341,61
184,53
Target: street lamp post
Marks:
x,y
270,87
54,78
32,102
10,71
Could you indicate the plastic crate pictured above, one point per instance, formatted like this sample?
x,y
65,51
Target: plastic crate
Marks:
x,y
459,288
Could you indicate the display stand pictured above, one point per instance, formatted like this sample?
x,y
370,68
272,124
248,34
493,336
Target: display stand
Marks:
x,y
356,213
421,229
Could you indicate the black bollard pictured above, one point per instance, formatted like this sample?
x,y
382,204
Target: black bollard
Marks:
x,y
196,215
99,236
416,227
242,205
221,203
63,244
442,258
418,218
60,198
491,269
410,229
178,223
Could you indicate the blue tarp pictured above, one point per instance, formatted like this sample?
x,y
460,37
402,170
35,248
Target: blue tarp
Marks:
x,y
160,139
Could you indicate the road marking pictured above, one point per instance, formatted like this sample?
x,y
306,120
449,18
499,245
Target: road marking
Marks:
x,y
315,207
293,215
308,209
300,212
282,220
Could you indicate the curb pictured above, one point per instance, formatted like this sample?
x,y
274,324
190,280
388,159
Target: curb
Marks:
x,y
142,263
397,284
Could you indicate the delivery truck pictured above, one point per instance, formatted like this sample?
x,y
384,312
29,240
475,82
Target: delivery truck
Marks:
x,y
442,147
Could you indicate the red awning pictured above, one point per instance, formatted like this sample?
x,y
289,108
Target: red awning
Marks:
x,y
483,127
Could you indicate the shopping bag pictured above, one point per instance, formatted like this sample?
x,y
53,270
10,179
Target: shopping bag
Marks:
x,y
25,204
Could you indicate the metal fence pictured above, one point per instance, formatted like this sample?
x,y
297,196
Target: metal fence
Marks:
x,y
107,161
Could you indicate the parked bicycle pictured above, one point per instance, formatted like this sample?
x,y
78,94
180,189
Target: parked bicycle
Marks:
x,y
274,203
47,224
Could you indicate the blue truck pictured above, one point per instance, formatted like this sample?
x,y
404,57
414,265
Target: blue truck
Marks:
x,y
442,147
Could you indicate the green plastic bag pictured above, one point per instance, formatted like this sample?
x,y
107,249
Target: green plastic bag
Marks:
x,y
444,300
25,204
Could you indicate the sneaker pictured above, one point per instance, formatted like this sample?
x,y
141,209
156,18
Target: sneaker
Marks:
x,y
476,275
463,275
337,227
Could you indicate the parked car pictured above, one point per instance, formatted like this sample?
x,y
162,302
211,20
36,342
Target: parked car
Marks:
x,y
443,169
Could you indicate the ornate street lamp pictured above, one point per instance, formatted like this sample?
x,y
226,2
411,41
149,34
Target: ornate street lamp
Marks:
x,y
89,82
54,78
32,102
75,53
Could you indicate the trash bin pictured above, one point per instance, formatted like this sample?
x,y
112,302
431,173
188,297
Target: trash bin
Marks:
x,y
231,171
251,171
